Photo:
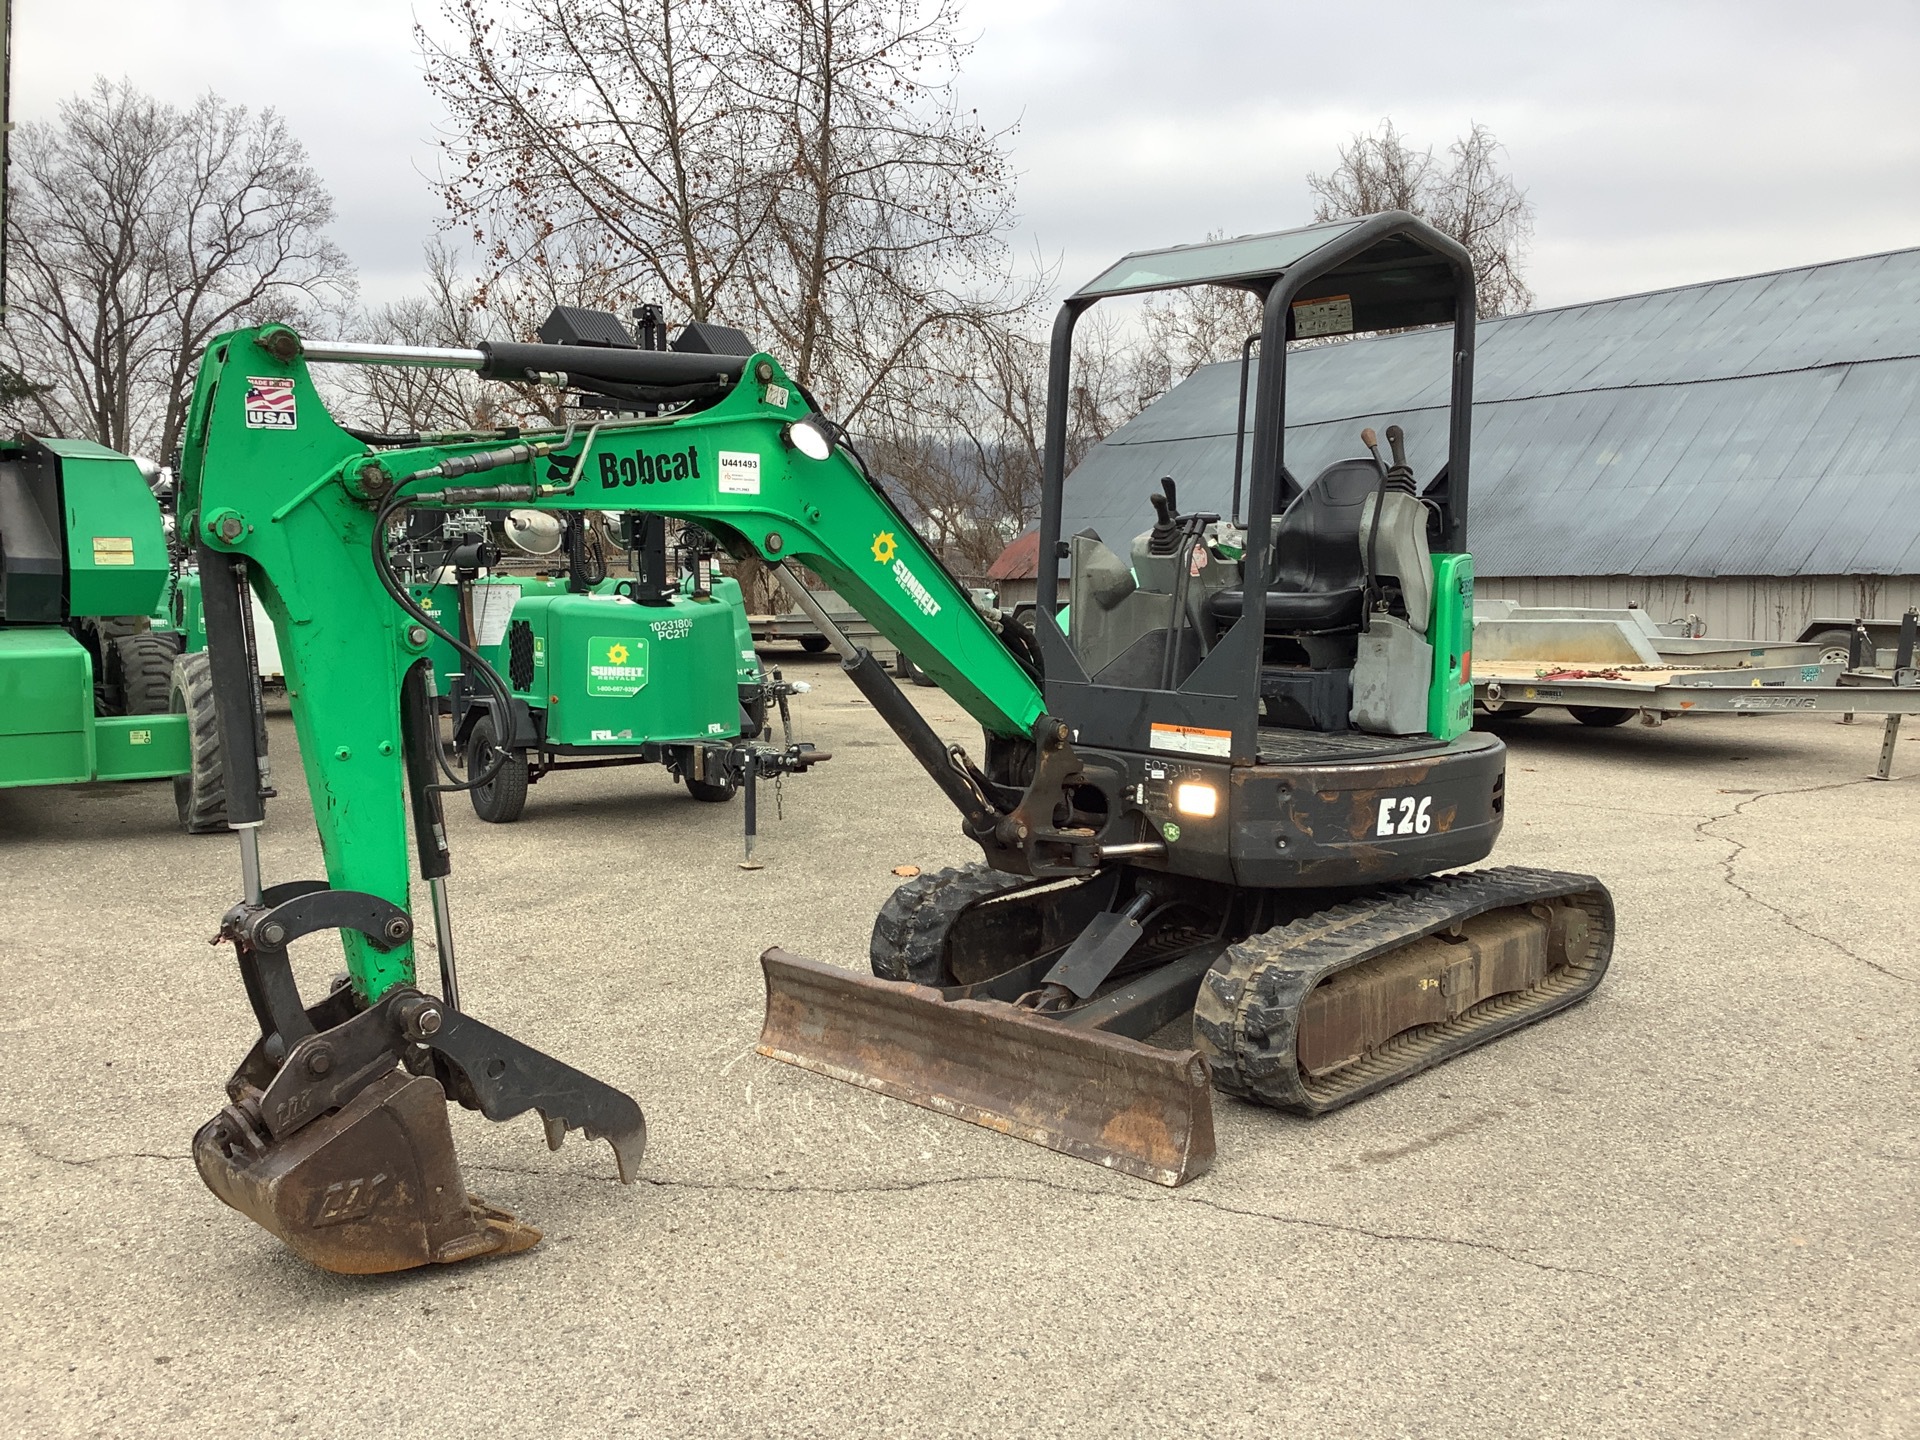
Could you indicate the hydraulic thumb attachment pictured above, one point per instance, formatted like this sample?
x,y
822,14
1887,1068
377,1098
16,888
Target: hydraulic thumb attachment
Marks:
x,y
342,1147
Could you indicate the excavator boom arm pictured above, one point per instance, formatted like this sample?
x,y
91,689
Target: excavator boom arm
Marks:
x,y
268,477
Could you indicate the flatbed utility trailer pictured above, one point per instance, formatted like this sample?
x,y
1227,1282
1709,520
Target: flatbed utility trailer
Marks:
x,y
803,630
1615,664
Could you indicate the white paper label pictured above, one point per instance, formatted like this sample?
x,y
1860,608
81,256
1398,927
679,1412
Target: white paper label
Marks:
x,y
492,603
739,472
1329,315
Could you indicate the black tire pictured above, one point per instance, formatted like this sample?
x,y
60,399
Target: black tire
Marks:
x,y
501,799
1836,646
753,700
910,933
200,795
1601,717
142,665
709,793
813,644
907,670
100,635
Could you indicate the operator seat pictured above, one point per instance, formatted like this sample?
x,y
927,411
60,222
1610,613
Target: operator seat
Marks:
x,y
1318,570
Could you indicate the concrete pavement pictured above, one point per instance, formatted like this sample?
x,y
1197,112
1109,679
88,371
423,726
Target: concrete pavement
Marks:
x,y
1687,1207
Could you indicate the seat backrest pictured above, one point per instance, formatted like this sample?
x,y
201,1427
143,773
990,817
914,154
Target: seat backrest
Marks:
x,y
1316,542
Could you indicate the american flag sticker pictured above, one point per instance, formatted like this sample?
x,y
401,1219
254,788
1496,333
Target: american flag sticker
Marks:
x,y
270,403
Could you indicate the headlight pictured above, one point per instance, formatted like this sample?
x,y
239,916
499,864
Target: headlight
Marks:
x,y
1200,800
811,437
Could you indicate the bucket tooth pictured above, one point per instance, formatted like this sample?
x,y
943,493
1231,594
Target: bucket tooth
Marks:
x,y
371,1188
1117,1102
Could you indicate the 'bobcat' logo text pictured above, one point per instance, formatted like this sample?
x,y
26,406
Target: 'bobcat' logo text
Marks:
x,y
637,469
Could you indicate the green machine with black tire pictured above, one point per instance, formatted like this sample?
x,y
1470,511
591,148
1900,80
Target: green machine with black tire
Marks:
x,y
88,689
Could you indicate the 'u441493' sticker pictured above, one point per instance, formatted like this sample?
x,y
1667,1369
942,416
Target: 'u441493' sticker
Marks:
x,y
739,472
270,403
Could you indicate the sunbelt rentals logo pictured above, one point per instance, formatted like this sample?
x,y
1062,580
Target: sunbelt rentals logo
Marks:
x,y
616,666
886,551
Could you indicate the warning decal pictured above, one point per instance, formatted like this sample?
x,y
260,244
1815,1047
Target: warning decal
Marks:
x,y
270,402
1192,740
113,550
1329,315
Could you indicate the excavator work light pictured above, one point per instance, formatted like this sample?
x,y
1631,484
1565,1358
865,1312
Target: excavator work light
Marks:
x,y
812,437
1200,800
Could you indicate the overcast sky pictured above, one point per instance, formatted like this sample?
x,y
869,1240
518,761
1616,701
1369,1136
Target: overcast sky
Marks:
x,y
1661,143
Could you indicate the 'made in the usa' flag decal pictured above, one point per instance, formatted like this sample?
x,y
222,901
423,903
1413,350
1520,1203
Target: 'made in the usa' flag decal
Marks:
x,y
270,403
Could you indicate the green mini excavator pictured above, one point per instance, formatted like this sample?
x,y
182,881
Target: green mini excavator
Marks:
x,y
1213,804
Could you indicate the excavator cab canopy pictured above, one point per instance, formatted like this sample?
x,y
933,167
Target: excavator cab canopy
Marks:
x,y
1345,277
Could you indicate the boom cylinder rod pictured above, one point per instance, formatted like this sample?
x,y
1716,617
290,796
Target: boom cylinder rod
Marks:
x,y
901,717
803,597
443,941
352,352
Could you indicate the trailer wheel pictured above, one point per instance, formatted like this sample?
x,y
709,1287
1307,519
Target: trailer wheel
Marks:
x,y
1836,646
200,795
142,669
708,792
1599,716
813,644
501,799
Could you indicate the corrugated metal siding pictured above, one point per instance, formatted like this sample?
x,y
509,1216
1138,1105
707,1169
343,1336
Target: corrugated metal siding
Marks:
x,y
1767,425
1737,606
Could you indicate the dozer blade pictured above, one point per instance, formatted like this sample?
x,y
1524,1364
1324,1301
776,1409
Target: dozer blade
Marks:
x,y
370,1188
1117,1102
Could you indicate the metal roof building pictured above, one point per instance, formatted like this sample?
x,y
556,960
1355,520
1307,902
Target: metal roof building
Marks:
x,y
1747,450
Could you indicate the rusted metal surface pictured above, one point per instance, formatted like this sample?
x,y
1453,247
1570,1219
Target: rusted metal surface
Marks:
x,y
1354,1012
371,1188
1117,1102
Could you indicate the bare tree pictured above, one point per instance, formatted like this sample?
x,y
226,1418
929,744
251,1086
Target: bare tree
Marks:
x,y
799,168
405,398
601,128
1185,329
1467,196
137,233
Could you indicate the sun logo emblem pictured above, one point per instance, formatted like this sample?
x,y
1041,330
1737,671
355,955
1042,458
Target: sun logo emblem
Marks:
x,y
616,654
883,546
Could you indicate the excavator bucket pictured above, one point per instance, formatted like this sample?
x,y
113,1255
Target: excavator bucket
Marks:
x,y
370,1188
1120,1103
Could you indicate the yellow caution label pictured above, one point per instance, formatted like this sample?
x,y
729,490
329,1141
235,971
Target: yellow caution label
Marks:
x,y
113,550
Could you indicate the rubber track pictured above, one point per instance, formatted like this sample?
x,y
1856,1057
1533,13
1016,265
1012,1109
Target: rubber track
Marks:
x,y
909,939
1247,1015
200,796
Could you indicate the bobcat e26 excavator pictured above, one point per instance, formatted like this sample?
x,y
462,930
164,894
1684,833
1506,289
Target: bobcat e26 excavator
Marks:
x,y
1224,788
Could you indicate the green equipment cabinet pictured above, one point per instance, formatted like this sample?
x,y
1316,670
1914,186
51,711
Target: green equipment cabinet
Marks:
x,y
85,677
616,673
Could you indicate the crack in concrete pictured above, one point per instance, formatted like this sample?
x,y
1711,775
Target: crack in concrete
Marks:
x,y
1740,847
908,1186
82,1161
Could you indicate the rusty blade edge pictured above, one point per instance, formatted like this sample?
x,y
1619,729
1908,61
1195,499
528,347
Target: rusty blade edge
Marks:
x,y
1173,1084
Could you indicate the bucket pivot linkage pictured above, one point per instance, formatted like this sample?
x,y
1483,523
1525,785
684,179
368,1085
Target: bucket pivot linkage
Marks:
x,y
336,1137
